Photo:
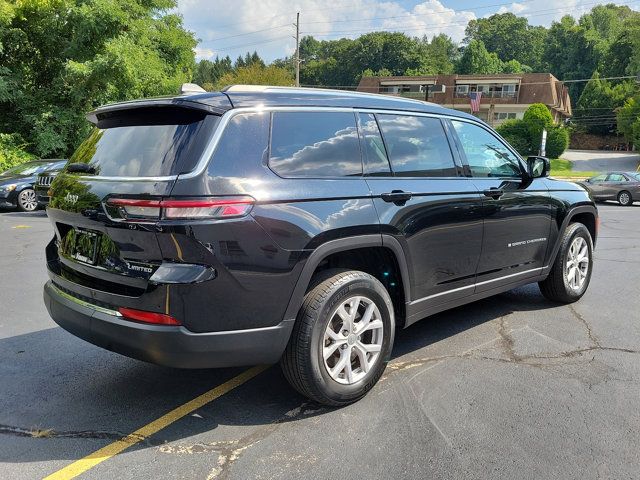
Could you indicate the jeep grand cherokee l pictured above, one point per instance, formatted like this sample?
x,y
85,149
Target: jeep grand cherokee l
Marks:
x,y
257,225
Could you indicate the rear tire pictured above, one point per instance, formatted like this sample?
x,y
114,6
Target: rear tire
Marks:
x,y
624,198
342,339
571,272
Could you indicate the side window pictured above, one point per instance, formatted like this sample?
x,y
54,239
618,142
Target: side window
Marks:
x,y
375,155
246,137
487,156
315,144
417,146
615,177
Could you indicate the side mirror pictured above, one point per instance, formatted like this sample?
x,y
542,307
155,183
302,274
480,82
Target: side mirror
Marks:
x,y
538,167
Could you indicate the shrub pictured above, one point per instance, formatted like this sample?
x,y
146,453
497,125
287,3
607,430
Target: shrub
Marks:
x,y
516,133
11,151
557,141
537,117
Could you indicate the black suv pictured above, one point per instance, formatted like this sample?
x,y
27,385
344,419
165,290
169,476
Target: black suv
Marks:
x,y
265,224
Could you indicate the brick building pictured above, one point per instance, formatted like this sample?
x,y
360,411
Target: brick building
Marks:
x,y
504,96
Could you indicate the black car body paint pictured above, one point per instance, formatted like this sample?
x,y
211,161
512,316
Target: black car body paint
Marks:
x,y
236,284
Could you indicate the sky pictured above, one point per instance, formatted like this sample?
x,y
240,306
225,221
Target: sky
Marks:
x,y
234,27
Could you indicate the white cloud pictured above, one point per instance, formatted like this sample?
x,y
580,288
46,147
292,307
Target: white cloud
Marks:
x,y
203,53
233,28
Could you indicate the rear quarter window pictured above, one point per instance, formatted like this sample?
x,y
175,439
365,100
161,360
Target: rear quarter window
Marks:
x,y
314,144
146,143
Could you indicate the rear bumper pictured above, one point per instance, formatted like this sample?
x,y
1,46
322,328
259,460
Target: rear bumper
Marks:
x,y
166,345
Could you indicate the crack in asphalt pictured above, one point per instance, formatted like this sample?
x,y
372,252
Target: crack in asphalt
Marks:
x,y
96,434
231,450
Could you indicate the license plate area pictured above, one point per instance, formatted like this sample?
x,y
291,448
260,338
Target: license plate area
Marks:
x,y
83,247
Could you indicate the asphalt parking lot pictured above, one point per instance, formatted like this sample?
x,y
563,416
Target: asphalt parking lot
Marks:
x,y
509,387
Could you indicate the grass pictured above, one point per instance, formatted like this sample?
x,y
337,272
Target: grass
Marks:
x,y
563,168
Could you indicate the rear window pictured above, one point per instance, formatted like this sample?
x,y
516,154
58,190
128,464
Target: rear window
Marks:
x,y
146,143
315,144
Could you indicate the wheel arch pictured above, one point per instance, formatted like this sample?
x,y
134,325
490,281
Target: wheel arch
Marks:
x,y
346,246
585,214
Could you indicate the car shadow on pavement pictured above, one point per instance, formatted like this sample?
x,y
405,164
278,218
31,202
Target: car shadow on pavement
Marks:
x,y
62,398
14,214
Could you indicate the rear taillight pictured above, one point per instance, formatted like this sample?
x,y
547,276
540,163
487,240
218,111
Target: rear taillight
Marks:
x,y
148,317
215,208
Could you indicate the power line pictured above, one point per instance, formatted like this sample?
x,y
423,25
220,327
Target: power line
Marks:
x,y
458,23
410,15
248,33
430,78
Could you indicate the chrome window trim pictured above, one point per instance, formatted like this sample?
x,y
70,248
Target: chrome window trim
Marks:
x,y
210,149
203,163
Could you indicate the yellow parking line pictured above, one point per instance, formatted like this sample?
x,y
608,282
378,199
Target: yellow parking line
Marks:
x,y
105,453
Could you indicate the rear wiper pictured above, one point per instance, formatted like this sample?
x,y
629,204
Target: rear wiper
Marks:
x,y
81,168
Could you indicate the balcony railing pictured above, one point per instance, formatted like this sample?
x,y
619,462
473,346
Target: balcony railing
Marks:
x,y
494,94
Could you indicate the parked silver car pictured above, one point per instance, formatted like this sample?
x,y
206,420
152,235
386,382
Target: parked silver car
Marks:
x,y
621,186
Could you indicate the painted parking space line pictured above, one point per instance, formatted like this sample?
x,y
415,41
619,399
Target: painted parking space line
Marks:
x,y
80,466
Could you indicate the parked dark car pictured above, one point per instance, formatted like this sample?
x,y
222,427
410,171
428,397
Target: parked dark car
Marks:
x,y
621,186
258,225
43,182
17,185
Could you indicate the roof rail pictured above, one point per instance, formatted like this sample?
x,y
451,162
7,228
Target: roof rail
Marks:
x,y
188,88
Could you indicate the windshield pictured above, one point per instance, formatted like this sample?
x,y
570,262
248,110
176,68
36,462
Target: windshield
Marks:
x,y
30,168
146,143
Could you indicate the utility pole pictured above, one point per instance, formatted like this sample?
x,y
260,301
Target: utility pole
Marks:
x,y
297,49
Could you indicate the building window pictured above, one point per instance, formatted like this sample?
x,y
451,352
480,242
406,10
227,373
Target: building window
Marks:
x,y
500,116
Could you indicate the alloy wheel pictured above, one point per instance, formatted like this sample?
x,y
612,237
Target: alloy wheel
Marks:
x,y
352,339
28,200
577,264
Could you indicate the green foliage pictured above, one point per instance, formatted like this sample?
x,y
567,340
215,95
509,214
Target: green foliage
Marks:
x,y
477,60
595,110
537,117
208,72
517,134
557,141
629,120
525,135
255,74
62,58
12,151
510,37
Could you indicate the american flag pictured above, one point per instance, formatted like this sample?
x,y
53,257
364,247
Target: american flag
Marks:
x,y
474,100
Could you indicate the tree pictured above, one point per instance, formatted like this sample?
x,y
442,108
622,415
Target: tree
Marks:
x,y
477,60
570,53
595,110
510,37
255,74
62,58
208,72
629,120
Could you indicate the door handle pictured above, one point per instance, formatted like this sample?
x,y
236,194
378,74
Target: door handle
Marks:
x,y
494,193
396,196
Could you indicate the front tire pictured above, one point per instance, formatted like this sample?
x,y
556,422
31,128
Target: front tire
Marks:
x,y
624,198
571,272
342,339
27,200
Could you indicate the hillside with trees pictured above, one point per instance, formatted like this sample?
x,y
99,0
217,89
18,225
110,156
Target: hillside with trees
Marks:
x,y
63,58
